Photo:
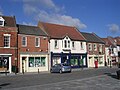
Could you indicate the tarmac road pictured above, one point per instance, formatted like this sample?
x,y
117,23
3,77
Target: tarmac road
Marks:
x,y
89,79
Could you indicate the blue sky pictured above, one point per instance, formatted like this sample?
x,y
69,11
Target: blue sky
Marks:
x,y
99,16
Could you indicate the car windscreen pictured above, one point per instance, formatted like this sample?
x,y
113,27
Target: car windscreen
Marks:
x,y
65,64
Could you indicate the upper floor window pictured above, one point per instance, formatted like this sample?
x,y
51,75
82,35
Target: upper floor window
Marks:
x,y
81,44
90,47
100,48
95,47
37,42
73,45
7,40
24,41
56,43
66,42
1,21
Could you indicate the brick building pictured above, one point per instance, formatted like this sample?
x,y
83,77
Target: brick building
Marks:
x,y
8,43
32,49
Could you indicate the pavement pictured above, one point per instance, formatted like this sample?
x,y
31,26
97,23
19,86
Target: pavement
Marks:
x,y
29,73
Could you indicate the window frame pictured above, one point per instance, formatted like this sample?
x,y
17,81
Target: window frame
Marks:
x,y
2,21
95,46
7,46
90,47
81,44
37,42
25,41
56,44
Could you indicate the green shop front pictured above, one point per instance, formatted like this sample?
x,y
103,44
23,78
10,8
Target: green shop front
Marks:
x,y
76,60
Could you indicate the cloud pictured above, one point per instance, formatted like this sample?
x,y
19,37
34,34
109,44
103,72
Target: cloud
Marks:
x,y
25,23
114,28
48,11
60,19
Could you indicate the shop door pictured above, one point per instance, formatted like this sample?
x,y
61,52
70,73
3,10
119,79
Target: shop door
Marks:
x,y
24,64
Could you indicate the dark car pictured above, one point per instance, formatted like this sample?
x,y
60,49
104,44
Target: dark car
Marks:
x,y
60,68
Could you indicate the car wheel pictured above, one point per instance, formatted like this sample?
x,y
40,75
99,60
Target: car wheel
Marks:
x,y
51,71
60,71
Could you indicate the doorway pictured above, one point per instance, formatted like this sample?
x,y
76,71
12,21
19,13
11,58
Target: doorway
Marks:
x,y
24,64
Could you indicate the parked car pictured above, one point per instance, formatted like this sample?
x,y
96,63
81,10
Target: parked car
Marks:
x,y
60,68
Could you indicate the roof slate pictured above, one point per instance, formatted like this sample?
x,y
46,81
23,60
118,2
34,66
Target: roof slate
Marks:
x,y
60,31
91,37
30,30
118,40
109,42
9,21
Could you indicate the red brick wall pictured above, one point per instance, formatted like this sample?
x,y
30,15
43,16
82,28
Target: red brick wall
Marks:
x,y
97,51
31,45
13,42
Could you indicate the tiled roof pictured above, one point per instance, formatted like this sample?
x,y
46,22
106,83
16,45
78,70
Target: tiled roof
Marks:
x,y
91,37
117,40
60,31
109,42
30,30
9,21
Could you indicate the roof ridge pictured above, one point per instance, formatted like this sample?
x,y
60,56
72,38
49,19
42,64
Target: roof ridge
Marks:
x,y
58,24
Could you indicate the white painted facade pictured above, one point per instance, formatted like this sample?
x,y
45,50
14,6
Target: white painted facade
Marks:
x,y
61,46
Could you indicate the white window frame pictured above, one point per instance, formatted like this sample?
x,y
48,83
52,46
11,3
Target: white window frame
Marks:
x,y
67,42
100,48
95,46
37,42
56,43
81,45
25,41
2,20
90,47
7,35
73,45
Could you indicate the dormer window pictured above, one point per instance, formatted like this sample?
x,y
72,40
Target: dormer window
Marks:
x,y
2,21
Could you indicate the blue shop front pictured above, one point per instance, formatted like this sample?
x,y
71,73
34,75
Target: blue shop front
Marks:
x,y
76,60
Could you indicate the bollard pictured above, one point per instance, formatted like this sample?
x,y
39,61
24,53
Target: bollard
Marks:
x,y
118,74
38,71
6,72
23,71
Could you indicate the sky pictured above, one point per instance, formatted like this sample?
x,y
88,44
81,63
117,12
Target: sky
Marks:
x,y
101,17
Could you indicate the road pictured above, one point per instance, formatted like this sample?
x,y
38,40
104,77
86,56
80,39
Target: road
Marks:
x,y
67,81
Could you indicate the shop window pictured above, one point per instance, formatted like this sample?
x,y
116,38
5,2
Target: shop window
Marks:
x,y
74,61
31,61
7,40
36,61
4,62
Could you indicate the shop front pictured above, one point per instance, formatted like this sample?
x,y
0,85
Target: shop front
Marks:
x,y
33,63
75,60
5,63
